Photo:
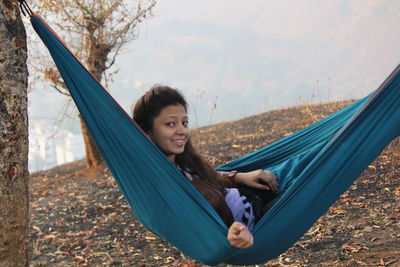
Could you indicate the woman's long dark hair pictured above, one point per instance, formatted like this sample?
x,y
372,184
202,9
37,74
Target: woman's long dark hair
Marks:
x,y
146,109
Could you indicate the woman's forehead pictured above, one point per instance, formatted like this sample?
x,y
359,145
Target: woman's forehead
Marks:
x,y
177,111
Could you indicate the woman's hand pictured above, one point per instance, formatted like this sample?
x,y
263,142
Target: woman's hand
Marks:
x,y
239,236
260,179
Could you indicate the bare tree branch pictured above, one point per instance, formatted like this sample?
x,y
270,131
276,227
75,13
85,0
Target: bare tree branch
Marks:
x,y
60,91
107,13
96,30
83,8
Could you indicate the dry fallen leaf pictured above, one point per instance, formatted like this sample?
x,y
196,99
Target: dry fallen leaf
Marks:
x,y
354,248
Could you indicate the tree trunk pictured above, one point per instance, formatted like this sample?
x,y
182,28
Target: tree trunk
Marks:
x,y
96,64
93,155
13,137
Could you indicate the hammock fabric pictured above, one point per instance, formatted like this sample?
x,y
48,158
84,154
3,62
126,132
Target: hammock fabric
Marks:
x,y
314,166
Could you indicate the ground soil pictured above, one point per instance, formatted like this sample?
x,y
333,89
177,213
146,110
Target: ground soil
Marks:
x,y
80,218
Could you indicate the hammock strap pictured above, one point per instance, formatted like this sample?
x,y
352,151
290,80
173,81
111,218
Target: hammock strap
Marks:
x,y
25,9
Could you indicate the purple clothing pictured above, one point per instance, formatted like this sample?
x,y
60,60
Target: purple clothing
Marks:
x,y
241,209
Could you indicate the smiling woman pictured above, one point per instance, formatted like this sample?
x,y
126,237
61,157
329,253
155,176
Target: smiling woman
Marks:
x,y
162,114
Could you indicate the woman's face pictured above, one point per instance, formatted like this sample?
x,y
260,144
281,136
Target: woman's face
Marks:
x,y
171,130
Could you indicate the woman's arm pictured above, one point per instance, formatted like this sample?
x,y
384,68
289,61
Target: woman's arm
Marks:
x,y
239,236
260,179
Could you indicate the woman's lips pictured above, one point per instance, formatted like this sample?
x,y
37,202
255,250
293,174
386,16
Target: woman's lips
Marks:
x,y
179,142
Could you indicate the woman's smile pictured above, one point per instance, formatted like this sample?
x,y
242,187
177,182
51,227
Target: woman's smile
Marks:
x,y
180,142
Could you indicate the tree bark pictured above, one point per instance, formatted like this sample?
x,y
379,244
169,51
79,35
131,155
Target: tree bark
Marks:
x,y
96,63
13,137
93,155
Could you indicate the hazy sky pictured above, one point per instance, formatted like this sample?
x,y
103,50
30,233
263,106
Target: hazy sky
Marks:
x,y
239,58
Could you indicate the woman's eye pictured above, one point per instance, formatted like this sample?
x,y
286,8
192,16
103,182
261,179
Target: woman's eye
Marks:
x,y
170,124
185,123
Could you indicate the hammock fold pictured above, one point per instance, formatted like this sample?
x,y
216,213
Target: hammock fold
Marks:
x,y
314,166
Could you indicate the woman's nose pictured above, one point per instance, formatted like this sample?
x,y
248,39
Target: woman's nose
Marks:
x,y
182,129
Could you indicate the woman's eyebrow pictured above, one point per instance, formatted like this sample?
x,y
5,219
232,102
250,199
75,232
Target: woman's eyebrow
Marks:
x,y
177,117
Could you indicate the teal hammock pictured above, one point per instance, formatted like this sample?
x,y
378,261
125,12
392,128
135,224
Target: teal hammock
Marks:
x,y
314,166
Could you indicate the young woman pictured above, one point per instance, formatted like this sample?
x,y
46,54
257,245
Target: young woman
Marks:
x,y
162,114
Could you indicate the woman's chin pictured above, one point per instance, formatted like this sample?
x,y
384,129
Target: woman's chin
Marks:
x,y
178,150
